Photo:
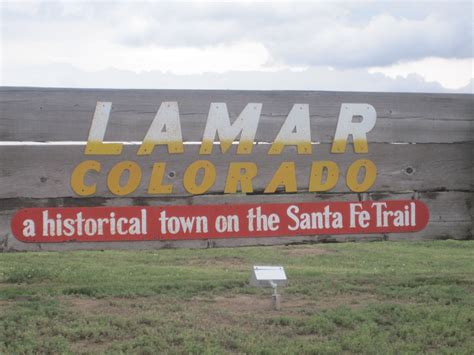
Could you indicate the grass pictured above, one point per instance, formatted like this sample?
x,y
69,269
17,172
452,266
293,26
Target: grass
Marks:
x,y
371,298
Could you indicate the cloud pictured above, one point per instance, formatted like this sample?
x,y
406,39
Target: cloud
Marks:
x,y
340,34
451,73
319,78
309,46
303,34
383,40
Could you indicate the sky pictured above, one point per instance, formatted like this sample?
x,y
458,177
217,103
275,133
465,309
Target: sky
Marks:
x,y
393,46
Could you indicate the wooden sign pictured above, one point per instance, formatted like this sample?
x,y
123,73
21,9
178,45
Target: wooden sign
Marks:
x,y
185,167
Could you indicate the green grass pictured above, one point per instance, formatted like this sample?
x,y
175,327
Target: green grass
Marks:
x,y
371,298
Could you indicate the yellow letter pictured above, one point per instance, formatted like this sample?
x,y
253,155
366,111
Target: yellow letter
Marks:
x,y
115,175
156,179
285,175
353,172
95,144
208,179
316,178
358,130
235,176
78,175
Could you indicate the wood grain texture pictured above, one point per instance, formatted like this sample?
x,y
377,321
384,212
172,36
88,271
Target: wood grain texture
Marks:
x,y
439,174
450,217
43,172
33,114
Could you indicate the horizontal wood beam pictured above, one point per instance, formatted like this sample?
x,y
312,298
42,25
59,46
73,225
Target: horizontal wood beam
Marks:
x,y
42,172
34,114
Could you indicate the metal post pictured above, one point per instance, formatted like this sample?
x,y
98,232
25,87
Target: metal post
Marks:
x,y
276,297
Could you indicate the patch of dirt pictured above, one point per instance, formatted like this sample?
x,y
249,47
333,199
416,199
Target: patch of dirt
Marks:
x,y
4,305
234,263
355,300
114,306
291,304
232,305
122,307
242,303
88,347
306,250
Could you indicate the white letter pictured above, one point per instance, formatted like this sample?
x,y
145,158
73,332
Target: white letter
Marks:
x,y
165,129
48,225
28,228
273,221
163,222
144,226
378,212
412,214
296,130
201,224
187,223
95,144
68,227
354,213
218,121
250,219
358,130
289,213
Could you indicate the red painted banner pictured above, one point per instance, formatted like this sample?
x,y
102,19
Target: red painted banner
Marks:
x,y
109,224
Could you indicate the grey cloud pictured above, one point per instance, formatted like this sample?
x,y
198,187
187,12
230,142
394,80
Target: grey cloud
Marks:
x,y
308,34
343,34
382,41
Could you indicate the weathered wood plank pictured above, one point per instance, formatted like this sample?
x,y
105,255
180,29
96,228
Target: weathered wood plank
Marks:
x,y
29,114
42,172
450,217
